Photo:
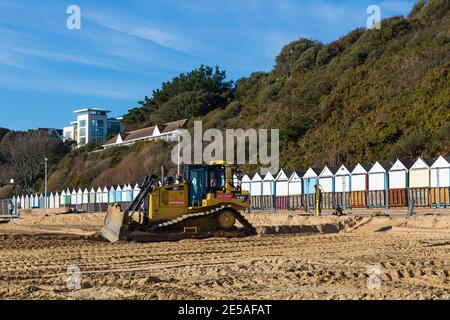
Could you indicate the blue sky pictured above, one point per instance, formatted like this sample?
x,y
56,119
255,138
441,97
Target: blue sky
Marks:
x,y
125,49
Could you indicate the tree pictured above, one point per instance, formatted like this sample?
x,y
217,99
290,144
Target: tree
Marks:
x,y
187,95
25,152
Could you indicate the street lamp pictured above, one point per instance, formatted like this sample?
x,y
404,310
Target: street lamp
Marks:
x,y
45,183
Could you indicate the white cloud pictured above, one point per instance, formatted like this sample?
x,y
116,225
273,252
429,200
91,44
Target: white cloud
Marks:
x,y
143,30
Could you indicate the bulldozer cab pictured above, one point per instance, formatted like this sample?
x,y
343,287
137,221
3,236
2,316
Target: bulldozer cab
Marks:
x,y
204,179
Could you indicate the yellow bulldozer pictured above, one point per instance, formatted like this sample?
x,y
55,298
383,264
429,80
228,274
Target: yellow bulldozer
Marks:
x,y
204,202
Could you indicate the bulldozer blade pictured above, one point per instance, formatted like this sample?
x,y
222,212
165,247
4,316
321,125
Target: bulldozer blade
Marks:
x,y
113,223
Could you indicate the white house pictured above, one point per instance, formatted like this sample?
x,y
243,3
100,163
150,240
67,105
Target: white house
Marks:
x,y
419,174
399,173
378,176
342,179
360,177
440,172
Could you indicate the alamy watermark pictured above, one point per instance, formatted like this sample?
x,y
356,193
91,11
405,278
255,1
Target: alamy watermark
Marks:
x,y
373,281
73,22
73,278
374,19
232,148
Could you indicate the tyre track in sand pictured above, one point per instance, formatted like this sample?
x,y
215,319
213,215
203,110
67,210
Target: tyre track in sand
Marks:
x,y
415,264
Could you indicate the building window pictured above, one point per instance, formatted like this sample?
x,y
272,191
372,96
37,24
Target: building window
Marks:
x,y
97,128
82,141
82,132
82,123
99,140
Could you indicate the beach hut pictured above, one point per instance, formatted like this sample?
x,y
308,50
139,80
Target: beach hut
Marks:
x,y
378,176
34,201
268,185
419,182
79,196
51,201
74,197
92,196
105,195
136,191
440,172
99,195
398,182
62,199
282,183
282,189
326,182
360,177
256,192
22,202
27,203
112,194
128,194
41,202
256,186
69,197
343,186
326,179
235,180
246,183
295,189
57,200
399,174
419,173
378,184
119,189
92,199
440,182
342,179
310,180
85,199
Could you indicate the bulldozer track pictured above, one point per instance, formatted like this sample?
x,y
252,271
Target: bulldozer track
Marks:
x,y
186,217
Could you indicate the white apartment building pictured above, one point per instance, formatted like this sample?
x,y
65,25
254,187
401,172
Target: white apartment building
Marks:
x,y
92,125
